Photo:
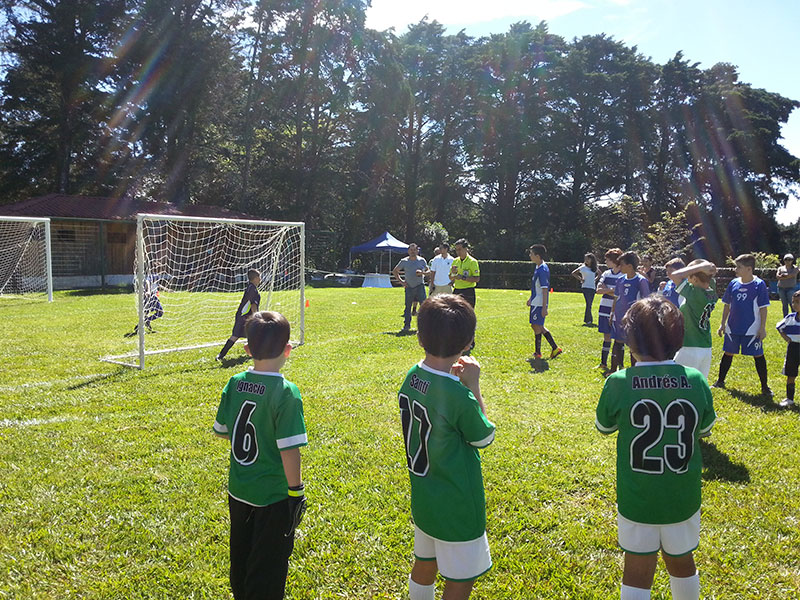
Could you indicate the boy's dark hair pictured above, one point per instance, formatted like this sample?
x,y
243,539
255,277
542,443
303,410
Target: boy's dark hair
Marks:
x,y
630,258
701,276
445,325
252,274
675,263
461,242
654,327
746,260
539,250
613,254
267,334
796,295
444,245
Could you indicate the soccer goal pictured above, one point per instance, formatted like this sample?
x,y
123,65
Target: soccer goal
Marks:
x,y
190,274
25,260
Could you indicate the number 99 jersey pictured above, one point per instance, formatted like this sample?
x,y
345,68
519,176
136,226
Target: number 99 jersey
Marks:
x,y
443,428
660,411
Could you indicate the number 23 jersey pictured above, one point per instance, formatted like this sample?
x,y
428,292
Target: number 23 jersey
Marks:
x,y
661,410
443,427
262,414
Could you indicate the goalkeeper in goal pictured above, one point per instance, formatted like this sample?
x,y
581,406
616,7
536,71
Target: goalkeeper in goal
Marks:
x,y
152,306
247,307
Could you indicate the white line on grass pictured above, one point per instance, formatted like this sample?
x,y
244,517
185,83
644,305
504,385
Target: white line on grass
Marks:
x,y
36,384
34,422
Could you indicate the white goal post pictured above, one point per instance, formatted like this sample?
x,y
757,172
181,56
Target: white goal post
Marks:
x,y
26,265
190,274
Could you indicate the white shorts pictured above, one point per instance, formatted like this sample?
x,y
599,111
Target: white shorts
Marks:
x,y
442,289
675,539
457,561
699,358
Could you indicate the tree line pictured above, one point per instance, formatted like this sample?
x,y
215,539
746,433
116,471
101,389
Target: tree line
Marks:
x,y
294,110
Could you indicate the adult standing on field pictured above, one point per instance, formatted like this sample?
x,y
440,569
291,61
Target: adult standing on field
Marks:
x,y
787,282
440,271
414,269
465,272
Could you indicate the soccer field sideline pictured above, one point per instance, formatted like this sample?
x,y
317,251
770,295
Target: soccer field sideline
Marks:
x,y
135,445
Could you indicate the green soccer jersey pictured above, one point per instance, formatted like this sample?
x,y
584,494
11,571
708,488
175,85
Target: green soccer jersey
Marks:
x,y
262,414
697,314
468,267
661,410
443,427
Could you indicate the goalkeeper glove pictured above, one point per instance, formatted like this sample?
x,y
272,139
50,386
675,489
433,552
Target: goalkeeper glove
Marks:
x,y
297,507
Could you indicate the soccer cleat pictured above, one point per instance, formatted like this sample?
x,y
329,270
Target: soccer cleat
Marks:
x,y
218,358
555,352
537,356
786,403
766,391
719,384
602,366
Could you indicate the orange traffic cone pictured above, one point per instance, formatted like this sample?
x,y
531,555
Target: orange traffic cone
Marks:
x,y
306,302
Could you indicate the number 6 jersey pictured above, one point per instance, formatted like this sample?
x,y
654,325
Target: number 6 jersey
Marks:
x,y
262,414
443,427
661,410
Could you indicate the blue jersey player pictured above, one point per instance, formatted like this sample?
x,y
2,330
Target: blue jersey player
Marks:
x,y
744,321
789,328
606,287
631,287
539,301
668,289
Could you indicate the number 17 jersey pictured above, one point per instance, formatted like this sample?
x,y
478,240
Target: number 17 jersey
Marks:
x,y
443,428
661,410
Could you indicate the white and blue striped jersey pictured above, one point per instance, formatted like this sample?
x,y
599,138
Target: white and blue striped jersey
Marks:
x,y
540,281
745,301
790,326
609,280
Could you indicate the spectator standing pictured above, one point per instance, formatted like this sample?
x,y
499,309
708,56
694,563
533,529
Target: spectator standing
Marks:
x,y
787,282
440,271
587,275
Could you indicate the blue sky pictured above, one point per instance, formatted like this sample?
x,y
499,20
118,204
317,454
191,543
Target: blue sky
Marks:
x,y
761,38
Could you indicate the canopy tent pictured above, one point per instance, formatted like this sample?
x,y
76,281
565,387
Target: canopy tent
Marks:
x,y
385,242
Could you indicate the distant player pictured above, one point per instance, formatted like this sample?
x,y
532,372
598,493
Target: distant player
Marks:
x,y
247,307
667,289
648,272
789,328
697,288
660,410
744,321
151,303
444,424
587,275
607,288
630,287
262,415
539,302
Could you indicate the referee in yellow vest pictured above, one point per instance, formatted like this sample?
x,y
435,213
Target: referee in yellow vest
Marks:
x,y
465,274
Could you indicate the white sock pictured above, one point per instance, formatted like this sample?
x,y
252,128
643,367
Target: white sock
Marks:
x,y
627,592
417,591
685,588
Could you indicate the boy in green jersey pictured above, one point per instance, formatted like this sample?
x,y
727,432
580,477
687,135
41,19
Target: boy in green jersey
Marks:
x,y
695,285
660,409
444,424
262,415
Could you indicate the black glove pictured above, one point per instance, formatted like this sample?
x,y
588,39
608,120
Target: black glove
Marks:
x,y
297,507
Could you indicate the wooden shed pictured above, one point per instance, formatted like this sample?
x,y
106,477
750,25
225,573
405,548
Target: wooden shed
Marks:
x,y
93,239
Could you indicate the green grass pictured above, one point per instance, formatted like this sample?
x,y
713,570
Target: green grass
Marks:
x,y
114,487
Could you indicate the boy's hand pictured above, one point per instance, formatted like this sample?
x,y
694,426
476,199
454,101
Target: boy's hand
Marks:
x,y
467,370
528,303
711,269
544,311
720,331
297,508
661,286
762,334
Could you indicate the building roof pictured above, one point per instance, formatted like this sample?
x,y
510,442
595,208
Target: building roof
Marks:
x,y
63,206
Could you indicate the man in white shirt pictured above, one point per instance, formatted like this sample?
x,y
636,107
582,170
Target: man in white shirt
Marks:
x,y
440,271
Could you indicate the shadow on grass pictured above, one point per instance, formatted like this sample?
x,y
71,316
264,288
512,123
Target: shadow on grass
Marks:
x,y
401,333
718,465
538,365
234,362
765,403
107,377
100,291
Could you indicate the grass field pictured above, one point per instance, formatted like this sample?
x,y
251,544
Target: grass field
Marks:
x,y
113,487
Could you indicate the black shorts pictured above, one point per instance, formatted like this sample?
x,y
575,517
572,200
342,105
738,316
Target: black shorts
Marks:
x,y
467,293
260,550
792,361
238,327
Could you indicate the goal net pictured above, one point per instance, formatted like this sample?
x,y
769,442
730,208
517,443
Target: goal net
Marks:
x,y
25,259
190,274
